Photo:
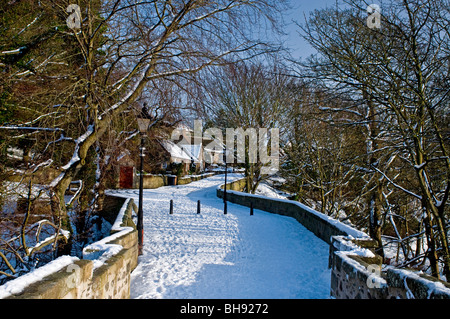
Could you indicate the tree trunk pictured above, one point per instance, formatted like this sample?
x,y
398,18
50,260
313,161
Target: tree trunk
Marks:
x,y
376,196
375,222
431,253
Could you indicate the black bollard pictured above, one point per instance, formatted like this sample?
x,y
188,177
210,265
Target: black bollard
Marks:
x,y
198,207
171,207
225,208
251,209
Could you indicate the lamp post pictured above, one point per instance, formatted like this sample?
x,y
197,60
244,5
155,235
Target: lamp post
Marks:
x,y
225,186
143,127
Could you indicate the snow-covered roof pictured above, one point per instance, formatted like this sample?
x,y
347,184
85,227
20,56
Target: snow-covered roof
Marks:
x,y
185,152
175,151
193,150
184,127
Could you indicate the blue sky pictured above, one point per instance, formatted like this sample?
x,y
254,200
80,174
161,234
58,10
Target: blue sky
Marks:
x,y
300,8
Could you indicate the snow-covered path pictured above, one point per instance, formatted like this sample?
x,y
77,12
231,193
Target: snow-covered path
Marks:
x,y
217,256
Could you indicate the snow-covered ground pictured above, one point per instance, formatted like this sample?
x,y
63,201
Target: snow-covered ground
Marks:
x,y
217,256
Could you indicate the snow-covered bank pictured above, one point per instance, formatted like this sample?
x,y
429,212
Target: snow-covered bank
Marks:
x,y
213,255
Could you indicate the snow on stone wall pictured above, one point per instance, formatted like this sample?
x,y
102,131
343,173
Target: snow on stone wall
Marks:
x,y
358,273
103,274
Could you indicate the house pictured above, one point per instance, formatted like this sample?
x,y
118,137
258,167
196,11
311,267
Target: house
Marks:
x,y
185,154
193,153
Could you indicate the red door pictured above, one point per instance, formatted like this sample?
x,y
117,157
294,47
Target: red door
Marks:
x,y
126,177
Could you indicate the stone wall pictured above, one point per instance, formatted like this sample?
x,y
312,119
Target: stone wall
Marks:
x,y
103,273
154,181
192,178
357,273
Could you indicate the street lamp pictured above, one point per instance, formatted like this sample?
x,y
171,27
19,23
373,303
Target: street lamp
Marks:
x,y
143,124
225,186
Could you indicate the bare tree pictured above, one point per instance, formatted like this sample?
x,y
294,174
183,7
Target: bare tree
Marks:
x,y
247,97
398,72
143,43
91,65
151,41
320,152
